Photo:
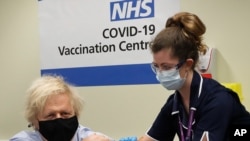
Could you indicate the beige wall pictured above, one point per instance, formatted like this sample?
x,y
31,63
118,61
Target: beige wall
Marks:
x,y
116,110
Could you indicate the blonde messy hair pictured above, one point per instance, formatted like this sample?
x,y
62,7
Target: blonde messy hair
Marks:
x,y
44,87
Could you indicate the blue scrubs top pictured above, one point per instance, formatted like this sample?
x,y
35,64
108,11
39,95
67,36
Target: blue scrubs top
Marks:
x,y
217,108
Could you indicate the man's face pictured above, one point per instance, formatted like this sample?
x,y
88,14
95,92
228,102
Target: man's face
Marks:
x,y
56,106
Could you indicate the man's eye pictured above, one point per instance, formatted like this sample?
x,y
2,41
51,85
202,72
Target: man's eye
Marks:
x,y
65,113
50,116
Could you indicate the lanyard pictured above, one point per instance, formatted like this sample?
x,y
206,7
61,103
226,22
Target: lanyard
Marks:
x,y
190,120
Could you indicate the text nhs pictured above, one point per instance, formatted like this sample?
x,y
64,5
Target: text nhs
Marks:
x,y
131,9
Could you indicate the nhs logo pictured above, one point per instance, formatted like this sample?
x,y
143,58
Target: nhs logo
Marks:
x,y
131,9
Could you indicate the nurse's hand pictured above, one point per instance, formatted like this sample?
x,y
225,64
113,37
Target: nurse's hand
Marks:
x,y
142,138
97,137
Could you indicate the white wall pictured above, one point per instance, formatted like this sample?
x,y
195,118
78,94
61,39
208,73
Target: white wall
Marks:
x,y
115,110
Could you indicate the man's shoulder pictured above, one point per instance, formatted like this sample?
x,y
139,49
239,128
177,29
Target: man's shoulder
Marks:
x,y
26,136
83,128
82,132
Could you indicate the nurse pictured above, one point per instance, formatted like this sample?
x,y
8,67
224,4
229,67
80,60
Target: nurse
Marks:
x,y
200,109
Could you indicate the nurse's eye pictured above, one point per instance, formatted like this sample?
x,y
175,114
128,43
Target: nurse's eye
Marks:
x,y
166,67
155,66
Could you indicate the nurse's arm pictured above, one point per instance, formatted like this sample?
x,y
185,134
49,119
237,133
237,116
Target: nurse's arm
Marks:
x,y
146,138
204,138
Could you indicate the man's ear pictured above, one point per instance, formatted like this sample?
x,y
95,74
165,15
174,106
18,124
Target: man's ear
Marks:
x,y
35,124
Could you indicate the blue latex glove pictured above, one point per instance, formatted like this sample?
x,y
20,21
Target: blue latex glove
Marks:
x,y
128,139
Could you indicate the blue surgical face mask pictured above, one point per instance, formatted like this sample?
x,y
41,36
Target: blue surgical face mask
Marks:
x,y
170,79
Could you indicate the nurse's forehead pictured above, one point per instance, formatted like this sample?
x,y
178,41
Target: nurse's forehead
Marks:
x,y
165,52
161,60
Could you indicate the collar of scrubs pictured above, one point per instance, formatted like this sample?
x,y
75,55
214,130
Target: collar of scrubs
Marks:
x,y
197,82
186,121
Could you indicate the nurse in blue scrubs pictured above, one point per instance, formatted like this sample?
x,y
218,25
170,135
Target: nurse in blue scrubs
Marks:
x,y
200,109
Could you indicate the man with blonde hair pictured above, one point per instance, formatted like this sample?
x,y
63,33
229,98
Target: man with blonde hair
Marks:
x,y
52,109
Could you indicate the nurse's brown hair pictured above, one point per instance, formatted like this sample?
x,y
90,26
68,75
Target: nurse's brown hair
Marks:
x,y
183,35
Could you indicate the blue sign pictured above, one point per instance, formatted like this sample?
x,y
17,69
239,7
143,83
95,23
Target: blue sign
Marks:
x,y
131,9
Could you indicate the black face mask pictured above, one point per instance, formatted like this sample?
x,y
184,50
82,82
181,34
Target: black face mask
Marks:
x,y
59,129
